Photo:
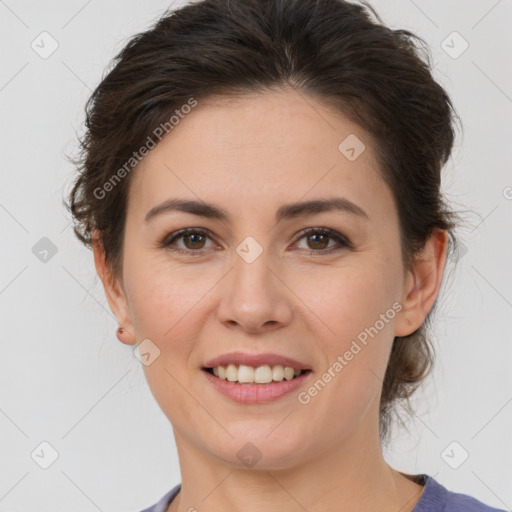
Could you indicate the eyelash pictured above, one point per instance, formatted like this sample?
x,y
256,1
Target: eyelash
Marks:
x,y
343,242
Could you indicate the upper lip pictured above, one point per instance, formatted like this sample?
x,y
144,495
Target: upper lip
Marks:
x,y
255,360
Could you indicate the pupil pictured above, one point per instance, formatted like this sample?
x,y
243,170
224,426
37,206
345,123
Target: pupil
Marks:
x,y
317,238
318,235
194,236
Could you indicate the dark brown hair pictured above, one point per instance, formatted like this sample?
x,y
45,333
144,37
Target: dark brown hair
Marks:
x,y
330,49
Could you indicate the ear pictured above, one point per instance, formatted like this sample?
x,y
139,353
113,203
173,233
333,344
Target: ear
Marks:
x,y
114,291
422,284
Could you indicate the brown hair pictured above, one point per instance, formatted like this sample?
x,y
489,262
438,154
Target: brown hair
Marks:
x,y
331,49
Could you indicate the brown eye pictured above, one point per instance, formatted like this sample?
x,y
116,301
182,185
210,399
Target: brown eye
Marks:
x,y
196,240
318,240
193,241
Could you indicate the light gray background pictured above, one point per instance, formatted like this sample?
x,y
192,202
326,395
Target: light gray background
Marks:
x,y
66,380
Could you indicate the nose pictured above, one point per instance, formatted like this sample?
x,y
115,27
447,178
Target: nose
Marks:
x,y
255,297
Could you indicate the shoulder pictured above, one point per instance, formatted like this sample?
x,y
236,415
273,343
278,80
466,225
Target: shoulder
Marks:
x,y
163,503
437,498
464,502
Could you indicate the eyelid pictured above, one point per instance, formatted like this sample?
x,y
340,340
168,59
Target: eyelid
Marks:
x,y
176,235
342,241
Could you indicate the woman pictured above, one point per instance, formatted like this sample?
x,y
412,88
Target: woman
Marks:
x,y
260,184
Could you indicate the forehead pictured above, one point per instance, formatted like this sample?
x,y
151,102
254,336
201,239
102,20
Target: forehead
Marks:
x,y
261,149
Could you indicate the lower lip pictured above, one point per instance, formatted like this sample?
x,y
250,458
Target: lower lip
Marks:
x,y
256,393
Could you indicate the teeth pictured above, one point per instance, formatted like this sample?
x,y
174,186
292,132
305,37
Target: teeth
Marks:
x,y
246,373
278,373
261,375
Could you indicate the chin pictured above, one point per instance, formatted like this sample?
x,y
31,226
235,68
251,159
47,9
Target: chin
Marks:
x,y
261,451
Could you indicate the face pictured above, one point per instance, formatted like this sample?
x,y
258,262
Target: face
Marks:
x,y
305,285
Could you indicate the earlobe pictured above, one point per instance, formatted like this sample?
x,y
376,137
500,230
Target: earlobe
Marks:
x,y
422,284
114,293
124,336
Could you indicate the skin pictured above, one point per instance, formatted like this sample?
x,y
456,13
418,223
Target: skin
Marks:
x,y
249,157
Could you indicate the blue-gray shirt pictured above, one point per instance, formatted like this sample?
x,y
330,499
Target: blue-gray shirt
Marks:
x,y
435,498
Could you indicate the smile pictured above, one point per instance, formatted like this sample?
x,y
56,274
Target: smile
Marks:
x,y
265,384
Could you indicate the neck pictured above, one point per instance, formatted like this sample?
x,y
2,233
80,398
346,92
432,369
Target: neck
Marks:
x,y
353,475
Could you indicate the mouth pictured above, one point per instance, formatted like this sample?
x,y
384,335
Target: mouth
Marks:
x,y
264,385
261,375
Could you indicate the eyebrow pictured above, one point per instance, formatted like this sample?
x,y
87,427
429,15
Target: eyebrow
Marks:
x,y
287,211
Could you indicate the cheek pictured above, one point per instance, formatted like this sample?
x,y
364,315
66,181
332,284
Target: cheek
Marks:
x,y
338,307
345,301
355,306
164,307
162,296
